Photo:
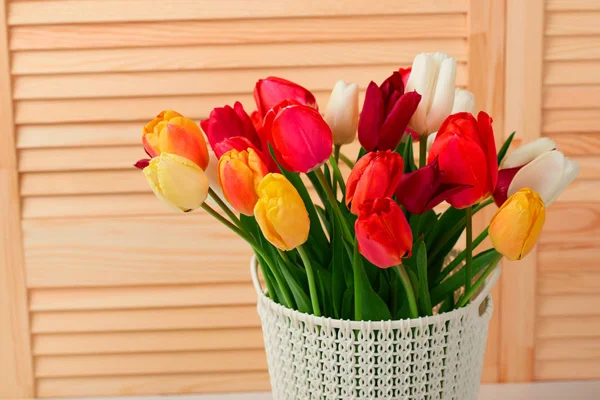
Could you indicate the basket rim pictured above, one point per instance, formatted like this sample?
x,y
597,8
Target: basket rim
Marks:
x,y
472,310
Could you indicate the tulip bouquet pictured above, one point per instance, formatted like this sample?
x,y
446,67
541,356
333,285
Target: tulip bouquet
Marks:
x,y
374,246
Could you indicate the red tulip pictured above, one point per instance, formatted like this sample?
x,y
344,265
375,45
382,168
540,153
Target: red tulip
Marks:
x,y
375,175
385,114
466,153
301,138
226,122
383,234
423,189
270,91
405,74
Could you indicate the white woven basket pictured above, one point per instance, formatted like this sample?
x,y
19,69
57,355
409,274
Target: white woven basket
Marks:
x,y
437,357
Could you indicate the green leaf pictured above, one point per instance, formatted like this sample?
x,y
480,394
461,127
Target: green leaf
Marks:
x,y
384,287
408,156
340,278
300,296
456,281
324,282
361,153
348,304
447,305
424,299
368,305
504,148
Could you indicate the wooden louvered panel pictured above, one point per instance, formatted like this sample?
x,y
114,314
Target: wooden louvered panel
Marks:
x,y
147,341
153,384
567,370
56,11
568,327
568,349
234,56
572,48
145,319
565,305
581,191
571,72
150,363
568,282
583,226
571,97
577,144
569,256
572,5
70,135
572,23
189,33
580,120
81,159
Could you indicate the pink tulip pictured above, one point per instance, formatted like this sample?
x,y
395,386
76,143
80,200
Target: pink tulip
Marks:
x,y
271,91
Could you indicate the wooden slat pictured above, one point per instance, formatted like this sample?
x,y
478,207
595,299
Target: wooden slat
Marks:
x,y
572,5
110,298
577,144
590,167
69,135
568,282
570,369
566,305
88,182
523,101
571,97
583,226
150,363
581,191
568,327
572,48
568,349
142,320
147,341
571,72
152,384
569,256
16,373
56,11
132,251
586,120
189,33
572,23
232,56
195,82
81,159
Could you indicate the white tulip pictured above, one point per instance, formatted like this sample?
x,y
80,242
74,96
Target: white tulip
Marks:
x,y
544,169
464,101
433,76
342,112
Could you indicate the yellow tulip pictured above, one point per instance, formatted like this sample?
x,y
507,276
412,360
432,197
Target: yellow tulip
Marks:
x,y
177,181
516,226
280,213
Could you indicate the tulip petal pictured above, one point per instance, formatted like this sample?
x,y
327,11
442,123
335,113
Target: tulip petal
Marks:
x,y
528,152
486,134
183,137
505,178
543,175
570,173
422,80
464,101
342,112
371,117
182,182
397,120
273,90
443,97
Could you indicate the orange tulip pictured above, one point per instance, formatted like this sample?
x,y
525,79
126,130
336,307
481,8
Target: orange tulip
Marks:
x,y
239,174
172,133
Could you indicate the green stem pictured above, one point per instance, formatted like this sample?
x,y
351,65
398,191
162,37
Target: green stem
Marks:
x,y
422,150
224,207
270,263
312,287
459,258
469,293
410,293
334,204
346,160
335,157
337,175
469,249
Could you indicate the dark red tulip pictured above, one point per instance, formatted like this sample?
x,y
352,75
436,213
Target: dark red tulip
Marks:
x,y
466,151
505,177
383,233
386,113
375,175
227,122
423,189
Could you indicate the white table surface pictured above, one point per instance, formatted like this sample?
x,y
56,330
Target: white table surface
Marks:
x,y
588,390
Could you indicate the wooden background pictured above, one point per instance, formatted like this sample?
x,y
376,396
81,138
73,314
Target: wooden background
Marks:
x,y
103,291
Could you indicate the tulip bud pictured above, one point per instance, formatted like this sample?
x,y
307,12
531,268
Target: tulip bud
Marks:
x,y
383,233
464,101
227,122
239,174
516,226
385,113
539,166
433,76
177,181
375,175
342,112
301,138
466,152
271,91
171,133
280,213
